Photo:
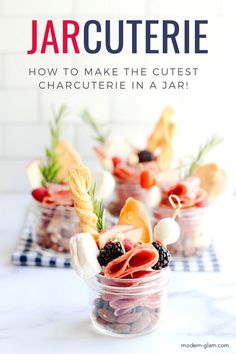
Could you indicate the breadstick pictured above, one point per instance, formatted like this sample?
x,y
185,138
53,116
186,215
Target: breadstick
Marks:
x,y
80,181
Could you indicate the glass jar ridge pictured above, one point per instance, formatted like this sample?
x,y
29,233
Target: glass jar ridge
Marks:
x,y
128,307
192,221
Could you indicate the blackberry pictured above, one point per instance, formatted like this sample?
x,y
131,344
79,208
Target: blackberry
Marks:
x,y
145,156
164,256
110,251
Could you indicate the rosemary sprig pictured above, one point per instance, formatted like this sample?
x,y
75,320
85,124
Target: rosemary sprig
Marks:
x,y
203,150
90,121
50,169
98,208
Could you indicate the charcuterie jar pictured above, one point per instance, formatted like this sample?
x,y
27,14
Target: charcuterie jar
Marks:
x,y
128,307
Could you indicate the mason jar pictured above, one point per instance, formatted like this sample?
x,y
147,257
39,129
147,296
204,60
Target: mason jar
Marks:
x,y
193,237
54,226
128,307
124,190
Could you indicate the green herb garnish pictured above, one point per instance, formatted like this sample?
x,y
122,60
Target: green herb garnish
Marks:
x,y
50,169
98,208
203,150
90,121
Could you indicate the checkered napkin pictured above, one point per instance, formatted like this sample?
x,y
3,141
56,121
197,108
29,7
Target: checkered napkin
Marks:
x,y
207,261
28,253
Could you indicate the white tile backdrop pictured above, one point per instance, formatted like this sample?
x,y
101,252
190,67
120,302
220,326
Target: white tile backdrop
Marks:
x,y
201,111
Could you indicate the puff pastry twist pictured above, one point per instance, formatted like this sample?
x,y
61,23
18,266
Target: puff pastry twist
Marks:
x,y
80,182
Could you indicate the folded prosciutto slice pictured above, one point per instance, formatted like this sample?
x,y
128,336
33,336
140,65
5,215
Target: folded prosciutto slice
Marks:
x,y
188,190
124,172
137,261
58,194
124,304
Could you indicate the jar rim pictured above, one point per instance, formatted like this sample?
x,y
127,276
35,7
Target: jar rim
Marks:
x,y
122,280
182,210
130,286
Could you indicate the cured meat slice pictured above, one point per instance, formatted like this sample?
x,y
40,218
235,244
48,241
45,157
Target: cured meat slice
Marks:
x,y
141,273
101,153
141,258
58,194
56,187
124,304
124,172
188,191
188,187
120,312
60,198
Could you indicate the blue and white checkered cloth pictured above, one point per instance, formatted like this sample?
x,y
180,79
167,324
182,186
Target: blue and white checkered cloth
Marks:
x,y
207,261
29,253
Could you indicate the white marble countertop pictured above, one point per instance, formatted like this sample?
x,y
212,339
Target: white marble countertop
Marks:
x,y
45,310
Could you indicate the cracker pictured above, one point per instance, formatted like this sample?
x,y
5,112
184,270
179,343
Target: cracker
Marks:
x,y
134,213
212,179
162,137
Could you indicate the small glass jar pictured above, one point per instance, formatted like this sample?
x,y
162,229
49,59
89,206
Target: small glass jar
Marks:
x,y
128,307
122,192
193,238
54,226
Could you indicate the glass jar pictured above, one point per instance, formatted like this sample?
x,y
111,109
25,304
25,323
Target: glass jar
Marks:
x,y
128,307
124,190
54,226
193,238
